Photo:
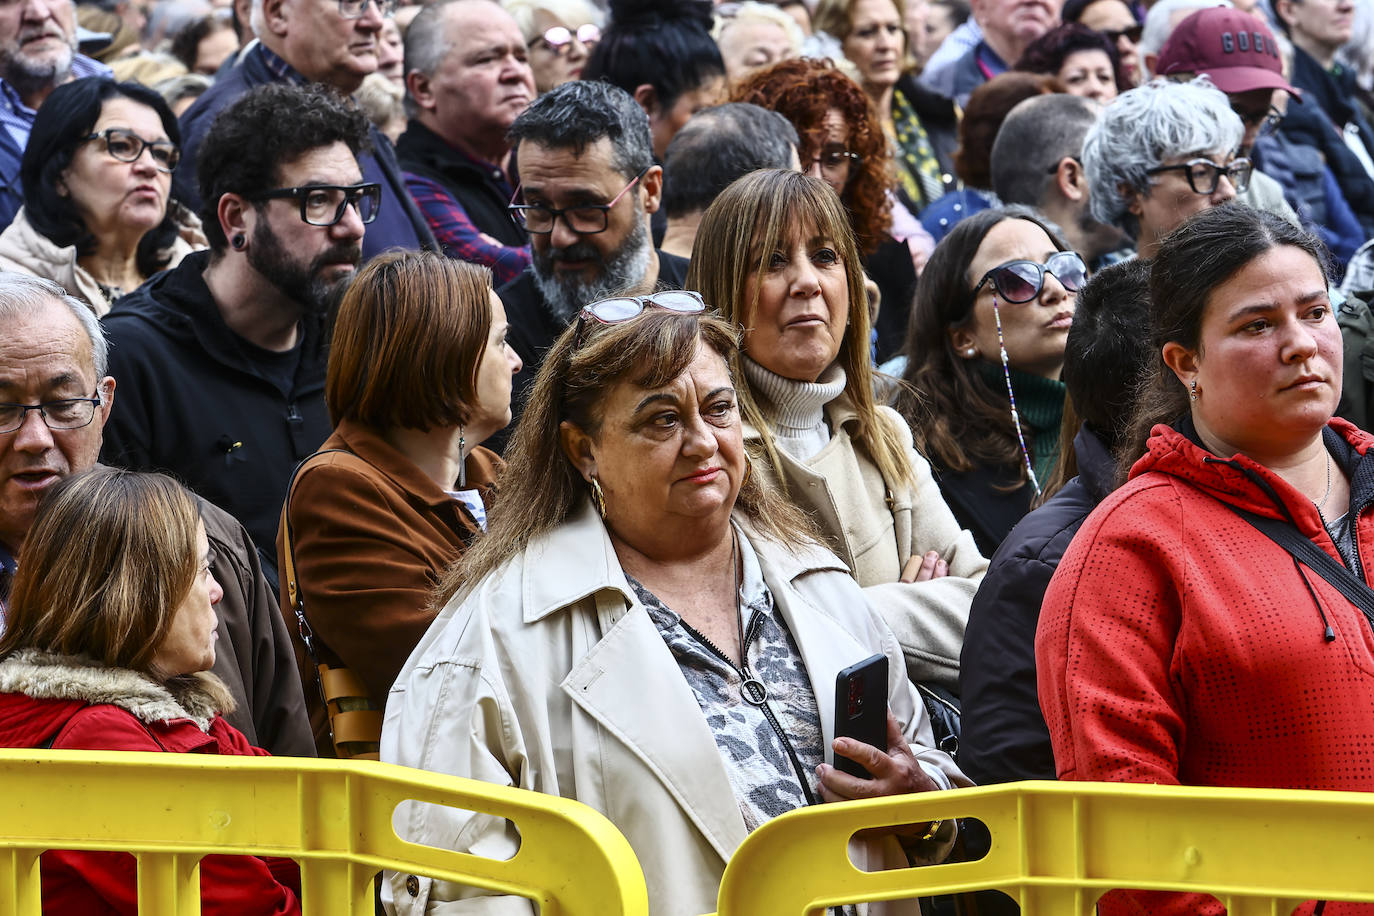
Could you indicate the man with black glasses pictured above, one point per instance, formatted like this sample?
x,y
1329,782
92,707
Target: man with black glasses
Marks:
x,y
332,43
221,361
588,187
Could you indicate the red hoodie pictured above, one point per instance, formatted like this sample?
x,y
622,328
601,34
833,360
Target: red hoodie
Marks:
x,y
61,702
1178,645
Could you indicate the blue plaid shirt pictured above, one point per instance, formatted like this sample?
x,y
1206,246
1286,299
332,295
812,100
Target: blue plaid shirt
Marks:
x,y
18,117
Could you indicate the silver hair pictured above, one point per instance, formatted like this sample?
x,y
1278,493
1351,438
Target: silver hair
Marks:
x,y
572,13
1036,135
1145,126
427,41
1157,27
24,293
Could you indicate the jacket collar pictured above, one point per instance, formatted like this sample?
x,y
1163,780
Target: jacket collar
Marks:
x,y
365,442
1096,464
422,146
576,559
49,676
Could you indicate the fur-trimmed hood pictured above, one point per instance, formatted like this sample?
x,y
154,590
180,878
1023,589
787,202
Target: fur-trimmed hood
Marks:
x,y
81,681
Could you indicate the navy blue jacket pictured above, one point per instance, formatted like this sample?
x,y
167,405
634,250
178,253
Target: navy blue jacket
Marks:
x,y
1004,735
399,223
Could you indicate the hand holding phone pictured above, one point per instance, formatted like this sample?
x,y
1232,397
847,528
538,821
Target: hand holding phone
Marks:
x,y
861,709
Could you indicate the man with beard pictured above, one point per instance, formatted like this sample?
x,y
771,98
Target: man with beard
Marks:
x,y
221,361
37,54
588,188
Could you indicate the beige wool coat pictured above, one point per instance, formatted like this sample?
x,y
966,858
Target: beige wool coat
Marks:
x,y
875,526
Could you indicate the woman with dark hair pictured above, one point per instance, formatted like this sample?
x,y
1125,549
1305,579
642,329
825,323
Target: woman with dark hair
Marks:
x,y
663,55
843,145
984,353
110,635
97,172
1086,61
419,376
776,255
1182,641
206,43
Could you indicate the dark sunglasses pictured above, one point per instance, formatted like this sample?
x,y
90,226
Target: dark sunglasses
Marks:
x,y
622,308
1132,32
1022,281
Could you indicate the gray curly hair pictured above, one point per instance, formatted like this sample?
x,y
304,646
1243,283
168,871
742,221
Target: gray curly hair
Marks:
x,y
1142,128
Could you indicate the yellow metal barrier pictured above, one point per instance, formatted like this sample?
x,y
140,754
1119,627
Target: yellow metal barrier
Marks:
x,y
333,817
1057,847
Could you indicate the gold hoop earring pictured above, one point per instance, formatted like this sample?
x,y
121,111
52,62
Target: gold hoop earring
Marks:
x,y
598,498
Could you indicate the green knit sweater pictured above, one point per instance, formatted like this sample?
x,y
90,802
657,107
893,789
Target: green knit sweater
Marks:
x,y
1040,402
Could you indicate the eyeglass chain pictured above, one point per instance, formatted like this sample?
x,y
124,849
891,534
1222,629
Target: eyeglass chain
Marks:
x,y
1011,395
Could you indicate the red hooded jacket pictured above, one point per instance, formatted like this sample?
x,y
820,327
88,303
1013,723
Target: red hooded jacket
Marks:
x,y
62,702
1179,645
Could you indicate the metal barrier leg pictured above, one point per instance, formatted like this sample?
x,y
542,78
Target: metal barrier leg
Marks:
x,y
21,892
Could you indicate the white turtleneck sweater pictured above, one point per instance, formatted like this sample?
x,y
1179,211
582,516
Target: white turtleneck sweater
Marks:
x,y
796,410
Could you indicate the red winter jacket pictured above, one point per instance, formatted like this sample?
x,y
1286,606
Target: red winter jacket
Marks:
x,y
63,702
1179,645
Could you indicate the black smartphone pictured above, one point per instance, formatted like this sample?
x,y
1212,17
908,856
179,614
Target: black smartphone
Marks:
x,y
861,709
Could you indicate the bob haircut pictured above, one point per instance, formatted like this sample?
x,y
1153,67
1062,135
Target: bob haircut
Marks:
x,y
1047,53
109,558
959,420
1144,126
1207,250
408,342
64,122
802,90
753,218
543,489
665,45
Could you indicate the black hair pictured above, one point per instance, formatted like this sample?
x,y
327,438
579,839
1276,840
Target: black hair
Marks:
x,y
580,113
185,45
63,124
262,130
1047,53
664,43
719,145
1108,348
1207,250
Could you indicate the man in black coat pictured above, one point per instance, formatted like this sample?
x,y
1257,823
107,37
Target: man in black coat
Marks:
x,y
467,79
328,43
1004,735
221,361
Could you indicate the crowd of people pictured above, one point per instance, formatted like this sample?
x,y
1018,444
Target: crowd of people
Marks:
x,y
562,393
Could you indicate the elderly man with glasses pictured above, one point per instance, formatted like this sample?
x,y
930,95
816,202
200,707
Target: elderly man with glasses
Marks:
x,y
221,361
56,398
332,43
588,188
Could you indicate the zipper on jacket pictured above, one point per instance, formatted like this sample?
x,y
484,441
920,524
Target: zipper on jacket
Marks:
x,y
767,710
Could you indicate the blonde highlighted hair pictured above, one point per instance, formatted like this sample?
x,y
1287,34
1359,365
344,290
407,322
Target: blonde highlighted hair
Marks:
x,y
750,220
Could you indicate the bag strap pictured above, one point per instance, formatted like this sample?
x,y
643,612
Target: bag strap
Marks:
x,y
1314,558
293,590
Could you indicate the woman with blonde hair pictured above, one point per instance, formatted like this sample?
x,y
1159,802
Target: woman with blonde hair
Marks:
x,y
419,376
783,265
631,632
109,638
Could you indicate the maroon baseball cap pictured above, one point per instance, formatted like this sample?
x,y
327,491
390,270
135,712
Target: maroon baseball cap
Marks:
x,y
1235,49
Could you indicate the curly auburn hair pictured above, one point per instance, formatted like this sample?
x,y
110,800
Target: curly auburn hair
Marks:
x,y
803,90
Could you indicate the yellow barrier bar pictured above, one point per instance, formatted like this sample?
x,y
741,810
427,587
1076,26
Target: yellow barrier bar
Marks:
x,y
1056,847
333,817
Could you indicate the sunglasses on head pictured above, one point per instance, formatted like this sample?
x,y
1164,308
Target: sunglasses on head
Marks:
x,y
1018,282
622,308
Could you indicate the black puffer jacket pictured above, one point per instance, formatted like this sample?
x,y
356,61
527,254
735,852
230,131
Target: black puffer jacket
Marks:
x,y
1004,735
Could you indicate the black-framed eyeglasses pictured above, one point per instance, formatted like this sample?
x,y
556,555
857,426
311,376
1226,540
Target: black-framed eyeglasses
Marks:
x,y
323,204
585,219
622,308
1204,175
67,413
1022,281
1132,32
126,146
357,9
559,39
1267,120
